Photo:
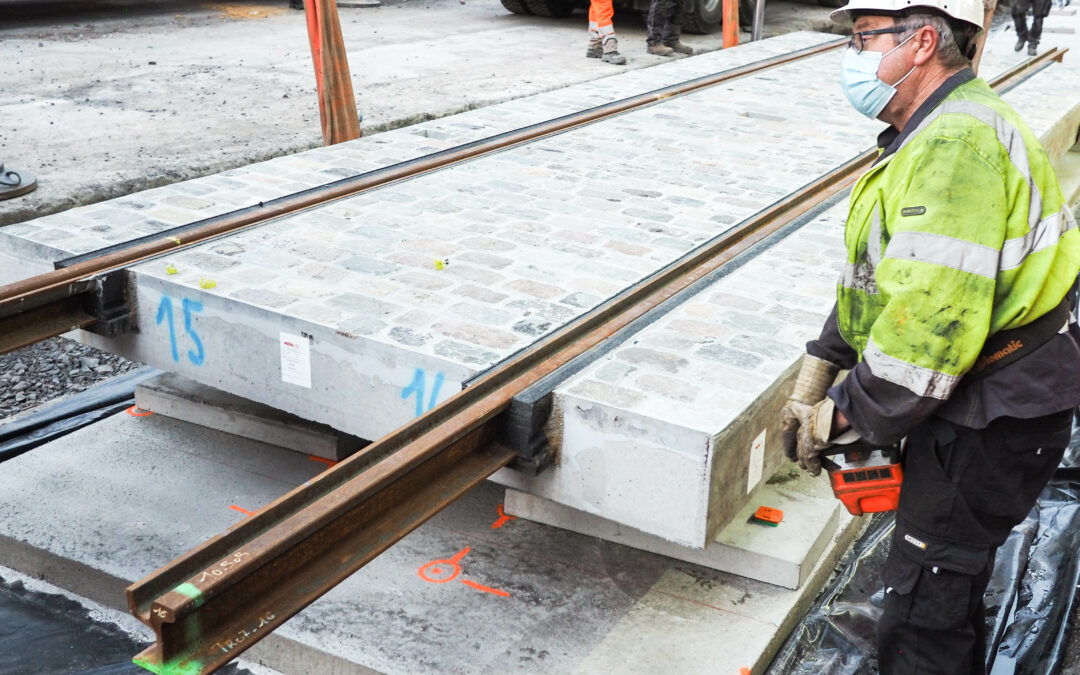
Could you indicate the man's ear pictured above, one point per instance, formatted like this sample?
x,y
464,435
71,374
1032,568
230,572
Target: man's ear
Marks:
x,y
926,42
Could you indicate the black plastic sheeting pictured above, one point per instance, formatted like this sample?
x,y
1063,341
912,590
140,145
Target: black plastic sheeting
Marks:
x,y
74,412
1028,602
53,634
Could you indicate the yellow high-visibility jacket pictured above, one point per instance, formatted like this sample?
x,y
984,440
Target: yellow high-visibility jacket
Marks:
x,y
959,231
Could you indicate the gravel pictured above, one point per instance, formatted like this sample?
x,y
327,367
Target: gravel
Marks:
x,y
47,370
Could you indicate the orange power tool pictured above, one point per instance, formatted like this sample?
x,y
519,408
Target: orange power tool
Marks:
x,y
865,478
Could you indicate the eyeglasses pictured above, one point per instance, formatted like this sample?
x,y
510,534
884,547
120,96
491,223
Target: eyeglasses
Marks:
x,y
857,40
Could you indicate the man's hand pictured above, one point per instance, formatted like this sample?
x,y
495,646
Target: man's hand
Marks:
x,y
793,416
814,378
814,434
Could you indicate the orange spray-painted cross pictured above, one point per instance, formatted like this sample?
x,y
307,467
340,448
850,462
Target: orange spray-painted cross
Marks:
x,y
503,518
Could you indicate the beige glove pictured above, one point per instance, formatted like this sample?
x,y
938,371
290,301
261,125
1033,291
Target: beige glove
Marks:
x,y
814,436
814,379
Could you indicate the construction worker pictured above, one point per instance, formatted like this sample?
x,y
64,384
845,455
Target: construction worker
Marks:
x,y
953,315
1039,10
663,27
603,44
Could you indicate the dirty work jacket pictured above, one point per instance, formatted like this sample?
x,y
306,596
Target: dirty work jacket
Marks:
x,y
958,231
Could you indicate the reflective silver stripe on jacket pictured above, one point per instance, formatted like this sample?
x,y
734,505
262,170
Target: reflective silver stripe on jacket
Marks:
x,y
916,379
940,249
1046,234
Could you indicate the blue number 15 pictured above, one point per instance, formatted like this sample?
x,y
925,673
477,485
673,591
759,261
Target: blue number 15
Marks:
x,y
165,313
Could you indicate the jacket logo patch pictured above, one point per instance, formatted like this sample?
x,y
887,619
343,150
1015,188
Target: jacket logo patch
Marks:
x,y
915,542
913,210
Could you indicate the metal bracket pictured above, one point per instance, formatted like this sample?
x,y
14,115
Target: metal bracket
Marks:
x,y
108,303
521,428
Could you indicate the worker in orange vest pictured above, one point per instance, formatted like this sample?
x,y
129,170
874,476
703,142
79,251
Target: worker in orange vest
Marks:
x,y
602,42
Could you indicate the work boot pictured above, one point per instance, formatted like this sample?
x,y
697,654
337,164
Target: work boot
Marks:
x,y
680,48
596,47
1033,49
1019,44
611,53
660,50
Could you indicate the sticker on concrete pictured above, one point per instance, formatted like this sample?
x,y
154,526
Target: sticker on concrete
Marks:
x,y
295,360
757,462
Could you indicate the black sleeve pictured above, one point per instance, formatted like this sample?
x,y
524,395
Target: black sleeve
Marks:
x,y
882,412
831,346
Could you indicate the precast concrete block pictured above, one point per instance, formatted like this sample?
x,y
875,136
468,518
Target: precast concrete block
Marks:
x,y
357,386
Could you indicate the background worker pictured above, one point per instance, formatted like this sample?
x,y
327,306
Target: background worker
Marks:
x,y
663,27
953,314
602,42
1039,10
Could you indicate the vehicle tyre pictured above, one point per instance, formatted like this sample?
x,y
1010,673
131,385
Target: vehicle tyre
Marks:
x,y
549,8
702,16
516,6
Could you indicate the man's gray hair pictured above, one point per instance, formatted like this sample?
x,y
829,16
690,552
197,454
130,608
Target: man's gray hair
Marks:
x,y
948,51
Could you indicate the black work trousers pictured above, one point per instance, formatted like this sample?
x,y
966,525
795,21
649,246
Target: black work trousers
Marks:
x,y
1039,9
663,25
964,490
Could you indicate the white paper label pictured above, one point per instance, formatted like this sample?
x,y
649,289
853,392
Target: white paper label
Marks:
x,y
757,462
295,360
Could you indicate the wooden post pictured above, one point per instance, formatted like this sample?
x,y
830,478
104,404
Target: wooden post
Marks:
x,y
731,23
337,105
980,40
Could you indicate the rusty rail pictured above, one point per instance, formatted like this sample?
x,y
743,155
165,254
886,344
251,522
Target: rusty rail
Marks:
x,y
23,296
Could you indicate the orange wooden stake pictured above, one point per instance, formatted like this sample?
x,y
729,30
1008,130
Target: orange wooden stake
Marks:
x,y
337,105
731,23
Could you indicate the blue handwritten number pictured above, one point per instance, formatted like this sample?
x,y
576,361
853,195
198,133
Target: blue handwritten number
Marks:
x,y
417,387
165,312
190,306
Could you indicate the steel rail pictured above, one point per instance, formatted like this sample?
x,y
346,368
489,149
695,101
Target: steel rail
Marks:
x,y
20,297
211,604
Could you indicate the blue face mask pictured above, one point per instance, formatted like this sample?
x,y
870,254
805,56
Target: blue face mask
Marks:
x,y
859,80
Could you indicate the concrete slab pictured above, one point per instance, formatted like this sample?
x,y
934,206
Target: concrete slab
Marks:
x,y
781,555
186,400
541,599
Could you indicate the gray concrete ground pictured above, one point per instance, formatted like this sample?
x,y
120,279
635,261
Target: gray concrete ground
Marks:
x,y
101,99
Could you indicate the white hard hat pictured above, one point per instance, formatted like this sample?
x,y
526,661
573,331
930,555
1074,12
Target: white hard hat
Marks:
x,y
969,11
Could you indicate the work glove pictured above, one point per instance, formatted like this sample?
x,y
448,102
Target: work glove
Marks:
x,y
813,435
814,378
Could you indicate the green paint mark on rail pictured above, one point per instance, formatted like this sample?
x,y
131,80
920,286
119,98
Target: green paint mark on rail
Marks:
x,y
192,592
176,667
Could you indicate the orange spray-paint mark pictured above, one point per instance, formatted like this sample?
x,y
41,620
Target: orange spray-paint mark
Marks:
x,y
136,411
486,589
744,671
441,571
447,569
327,462
234,507
503,518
